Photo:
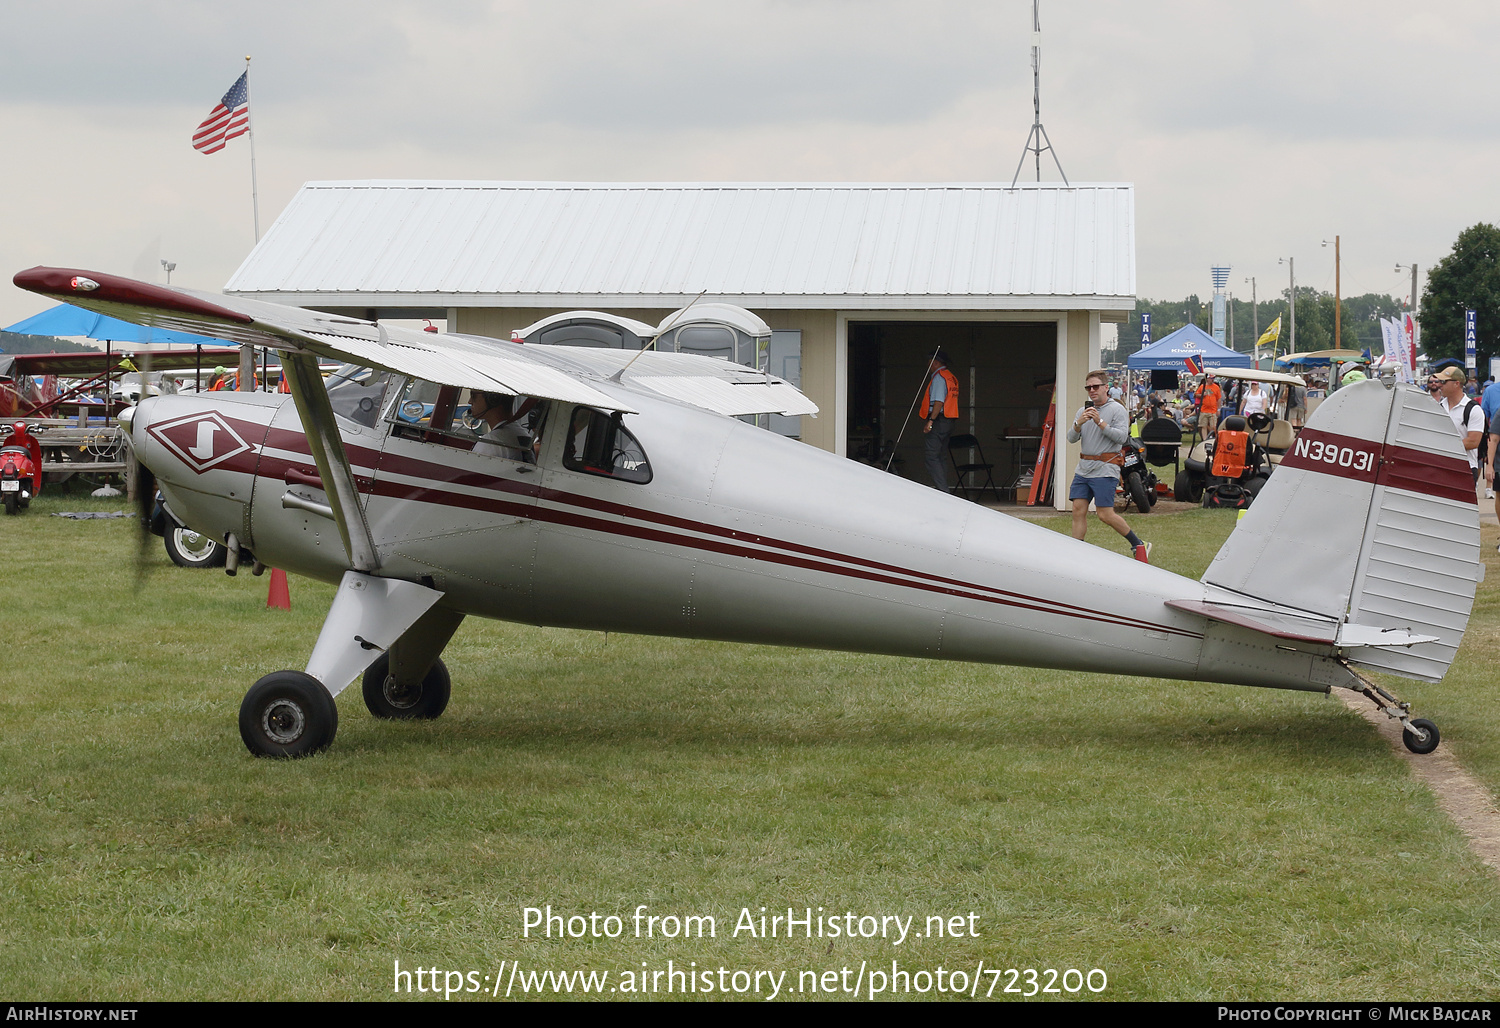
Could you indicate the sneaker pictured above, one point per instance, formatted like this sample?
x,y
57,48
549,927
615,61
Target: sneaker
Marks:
x,y
1143,552
1489,494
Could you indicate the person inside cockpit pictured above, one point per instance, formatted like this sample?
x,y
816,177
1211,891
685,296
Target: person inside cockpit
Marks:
x,y
507,435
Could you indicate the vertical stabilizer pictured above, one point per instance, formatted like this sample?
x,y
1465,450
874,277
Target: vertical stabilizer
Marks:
x,y
1370,520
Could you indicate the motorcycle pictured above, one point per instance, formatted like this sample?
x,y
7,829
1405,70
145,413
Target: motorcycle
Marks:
x,y
20,468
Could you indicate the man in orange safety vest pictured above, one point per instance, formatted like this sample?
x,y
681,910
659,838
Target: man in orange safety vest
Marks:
x,y
939,412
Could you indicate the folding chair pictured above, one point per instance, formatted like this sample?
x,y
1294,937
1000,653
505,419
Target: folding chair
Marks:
x,y
964,442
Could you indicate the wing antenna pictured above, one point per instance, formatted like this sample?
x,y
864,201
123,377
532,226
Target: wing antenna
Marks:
x,y
619,375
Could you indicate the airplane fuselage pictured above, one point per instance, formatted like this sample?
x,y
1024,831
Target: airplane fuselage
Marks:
x,y
739,535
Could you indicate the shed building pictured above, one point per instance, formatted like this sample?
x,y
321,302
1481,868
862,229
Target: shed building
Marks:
x,y
861,282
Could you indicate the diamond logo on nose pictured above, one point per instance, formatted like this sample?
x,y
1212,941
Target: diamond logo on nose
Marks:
x,y
201,441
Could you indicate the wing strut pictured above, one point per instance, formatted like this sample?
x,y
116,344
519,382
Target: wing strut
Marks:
x,y
311,398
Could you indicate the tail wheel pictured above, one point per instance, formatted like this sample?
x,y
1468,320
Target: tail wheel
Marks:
x,y
425,701
1415,744
288,714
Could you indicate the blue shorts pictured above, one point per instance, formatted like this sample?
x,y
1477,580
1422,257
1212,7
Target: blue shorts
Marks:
x,y
1100,490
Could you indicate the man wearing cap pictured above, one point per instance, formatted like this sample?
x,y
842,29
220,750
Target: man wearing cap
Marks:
x,y
1102,426
1467,414
939,412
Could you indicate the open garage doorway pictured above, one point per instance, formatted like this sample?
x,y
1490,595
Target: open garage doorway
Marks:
x,y
1005,372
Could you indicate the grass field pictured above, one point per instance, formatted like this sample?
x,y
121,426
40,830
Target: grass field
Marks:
x,y
1192,842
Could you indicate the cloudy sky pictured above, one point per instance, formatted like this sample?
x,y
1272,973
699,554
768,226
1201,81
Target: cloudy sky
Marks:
x,y
1251,131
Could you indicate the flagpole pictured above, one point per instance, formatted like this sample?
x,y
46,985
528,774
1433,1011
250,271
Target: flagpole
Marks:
x,y
250,128
247,352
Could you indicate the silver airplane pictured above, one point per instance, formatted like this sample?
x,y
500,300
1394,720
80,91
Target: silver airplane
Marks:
x,y
621,491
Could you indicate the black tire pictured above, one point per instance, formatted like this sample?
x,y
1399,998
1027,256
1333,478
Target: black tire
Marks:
x,y
288,714
1423,746
425,702
1137,490
1180,491
12,500
189,549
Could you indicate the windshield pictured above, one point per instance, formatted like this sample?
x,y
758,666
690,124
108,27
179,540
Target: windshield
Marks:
x,y
357,393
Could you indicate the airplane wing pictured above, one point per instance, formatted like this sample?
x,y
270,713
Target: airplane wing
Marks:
x,y
552,372
709,382
88,365
446,360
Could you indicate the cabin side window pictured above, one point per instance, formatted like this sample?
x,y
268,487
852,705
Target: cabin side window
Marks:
x,y
598,444
492,424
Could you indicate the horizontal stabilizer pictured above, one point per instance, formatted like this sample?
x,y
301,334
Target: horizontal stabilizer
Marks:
x,y
1351,636
1263,618
1297,627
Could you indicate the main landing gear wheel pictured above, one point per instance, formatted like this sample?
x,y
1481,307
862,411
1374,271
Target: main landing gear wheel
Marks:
x,y
386,698
288,714
1409,737
189,549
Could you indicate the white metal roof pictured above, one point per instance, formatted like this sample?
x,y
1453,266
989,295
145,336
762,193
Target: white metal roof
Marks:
x,y
775,245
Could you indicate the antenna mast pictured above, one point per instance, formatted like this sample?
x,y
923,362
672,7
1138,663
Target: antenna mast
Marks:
x,y
1037,133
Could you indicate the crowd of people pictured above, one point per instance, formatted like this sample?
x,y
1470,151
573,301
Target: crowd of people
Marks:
x,y
1202,401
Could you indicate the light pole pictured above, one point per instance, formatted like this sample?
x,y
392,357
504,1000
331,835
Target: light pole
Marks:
x,y
1291,303
170,266
1254,319
1337,297
1413,269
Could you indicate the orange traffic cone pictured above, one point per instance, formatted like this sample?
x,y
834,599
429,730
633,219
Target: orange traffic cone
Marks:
x,y
279,595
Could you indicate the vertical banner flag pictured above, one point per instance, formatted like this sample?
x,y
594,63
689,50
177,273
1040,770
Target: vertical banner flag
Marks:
x,y
1411,332
229,119
1145,328
1219,318
1471,356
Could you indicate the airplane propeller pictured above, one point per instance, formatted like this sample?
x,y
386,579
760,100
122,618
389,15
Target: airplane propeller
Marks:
x,y
145,500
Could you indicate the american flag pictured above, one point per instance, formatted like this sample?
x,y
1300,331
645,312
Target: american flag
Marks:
x,y
229,119
1194,363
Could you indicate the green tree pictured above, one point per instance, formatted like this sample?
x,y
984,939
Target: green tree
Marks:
x,y
1467,279
16,342
1362,316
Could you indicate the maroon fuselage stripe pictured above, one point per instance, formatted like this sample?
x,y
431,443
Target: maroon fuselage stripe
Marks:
x,y
812,558
1398,467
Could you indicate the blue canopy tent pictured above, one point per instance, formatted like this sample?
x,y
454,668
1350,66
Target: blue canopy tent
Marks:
x,y
1170,352
67,320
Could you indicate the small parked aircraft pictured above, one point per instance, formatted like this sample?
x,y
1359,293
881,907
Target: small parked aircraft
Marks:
x,y
617,490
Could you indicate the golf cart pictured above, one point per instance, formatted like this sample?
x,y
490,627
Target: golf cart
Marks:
x,y
1228,470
